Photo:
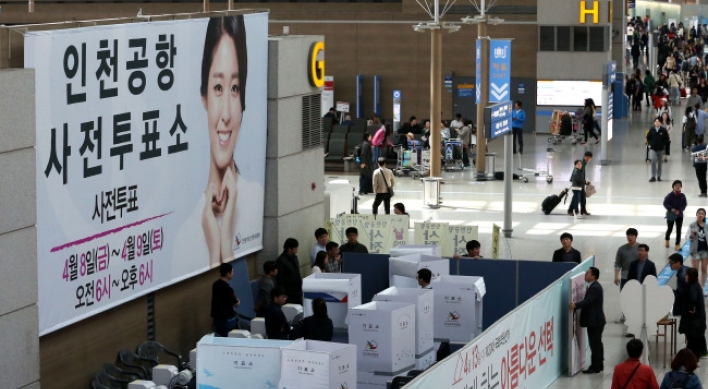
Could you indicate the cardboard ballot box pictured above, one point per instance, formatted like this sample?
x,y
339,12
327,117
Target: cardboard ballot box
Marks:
x,y
310,364
252,363
341,291
382,332
402,271
409,249
458,307
423,301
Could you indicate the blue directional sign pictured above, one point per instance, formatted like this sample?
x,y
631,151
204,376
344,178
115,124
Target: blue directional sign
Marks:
x,y
497,119
478,72
609,73
499,70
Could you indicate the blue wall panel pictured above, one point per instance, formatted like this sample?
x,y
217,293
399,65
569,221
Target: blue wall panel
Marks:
x,y
373,269
499,276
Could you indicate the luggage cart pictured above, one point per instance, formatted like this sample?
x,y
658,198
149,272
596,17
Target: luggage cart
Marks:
x,y
452,159
565,125
408,160
540,173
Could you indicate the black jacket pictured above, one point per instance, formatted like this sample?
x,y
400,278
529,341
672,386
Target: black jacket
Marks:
x,y
592,314
289,277
693,324
649,270
560,253
657,139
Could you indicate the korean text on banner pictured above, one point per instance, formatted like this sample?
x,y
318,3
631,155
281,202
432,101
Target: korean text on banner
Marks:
x,y
150,155
499,70
520,351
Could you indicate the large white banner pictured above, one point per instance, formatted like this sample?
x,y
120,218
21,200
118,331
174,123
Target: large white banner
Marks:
x,y
519,351
150,156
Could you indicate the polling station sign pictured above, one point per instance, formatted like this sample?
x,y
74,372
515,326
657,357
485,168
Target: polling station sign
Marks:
x,y
150,156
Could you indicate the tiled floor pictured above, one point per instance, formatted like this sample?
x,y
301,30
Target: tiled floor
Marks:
x,y
624,199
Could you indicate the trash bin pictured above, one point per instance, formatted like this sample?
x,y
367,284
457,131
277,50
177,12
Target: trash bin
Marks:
x,y
490,165
431,191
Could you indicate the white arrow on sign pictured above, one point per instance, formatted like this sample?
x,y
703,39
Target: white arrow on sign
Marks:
x,y
499,91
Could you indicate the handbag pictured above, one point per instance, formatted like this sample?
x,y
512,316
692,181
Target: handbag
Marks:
x,y
388,188
590,190
670,216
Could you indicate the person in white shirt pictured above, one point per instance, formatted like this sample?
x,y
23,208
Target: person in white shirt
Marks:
x,y
322,237
383,187
457,123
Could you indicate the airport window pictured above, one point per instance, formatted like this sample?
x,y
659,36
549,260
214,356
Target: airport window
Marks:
x,y
563,38
311,121
580,38
546,38
597,39
573,38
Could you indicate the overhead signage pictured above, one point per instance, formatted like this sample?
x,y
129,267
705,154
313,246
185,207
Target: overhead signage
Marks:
x,y
499,70
609,73
497,119
478,72
594,12
316,67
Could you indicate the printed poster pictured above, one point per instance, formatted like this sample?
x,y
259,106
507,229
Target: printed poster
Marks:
x,y
150,156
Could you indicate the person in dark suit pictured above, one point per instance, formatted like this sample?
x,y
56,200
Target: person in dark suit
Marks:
x,y
642,267
592,317
566,253
676,263
289,276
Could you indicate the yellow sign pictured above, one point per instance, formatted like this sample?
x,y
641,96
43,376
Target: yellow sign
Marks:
x,y
496,235
594,11
315,67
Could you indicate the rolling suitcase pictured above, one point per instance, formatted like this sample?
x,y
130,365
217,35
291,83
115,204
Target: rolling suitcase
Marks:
x,y
552,201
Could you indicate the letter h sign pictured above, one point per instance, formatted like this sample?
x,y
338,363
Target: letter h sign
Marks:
x,y
594,11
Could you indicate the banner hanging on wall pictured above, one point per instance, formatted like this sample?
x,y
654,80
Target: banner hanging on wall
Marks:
x,y
150,156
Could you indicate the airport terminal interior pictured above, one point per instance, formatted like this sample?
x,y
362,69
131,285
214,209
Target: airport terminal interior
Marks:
x,y
625,196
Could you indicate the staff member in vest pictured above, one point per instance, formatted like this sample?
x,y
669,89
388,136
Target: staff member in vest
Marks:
x,y
383,187
518,117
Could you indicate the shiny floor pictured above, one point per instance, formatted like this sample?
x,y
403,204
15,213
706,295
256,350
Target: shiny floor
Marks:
x,y
624,199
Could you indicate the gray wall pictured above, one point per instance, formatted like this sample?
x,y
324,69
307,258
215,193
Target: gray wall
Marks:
x,y
570,65
293,207
19,328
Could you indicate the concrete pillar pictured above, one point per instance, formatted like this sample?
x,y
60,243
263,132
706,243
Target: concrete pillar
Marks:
x,y
294,193
19,324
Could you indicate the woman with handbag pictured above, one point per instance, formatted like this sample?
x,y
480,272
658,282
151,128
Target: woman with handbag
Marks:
x,y
699,246
693,315
675,204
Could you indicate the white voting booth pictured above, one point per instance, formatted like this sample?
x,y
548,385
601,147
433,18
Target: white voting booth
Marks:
x,y
309,364
341,291
458,308
252,363
424,315
402,271
382,332
408,249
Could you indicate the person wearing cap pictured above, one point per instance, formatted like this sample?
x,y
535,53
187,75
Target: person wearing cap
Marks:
x,y
383,186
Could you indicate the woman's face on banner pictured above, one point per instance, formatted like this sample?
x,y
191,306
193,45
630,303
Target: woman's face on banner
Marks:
x,y
223,102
